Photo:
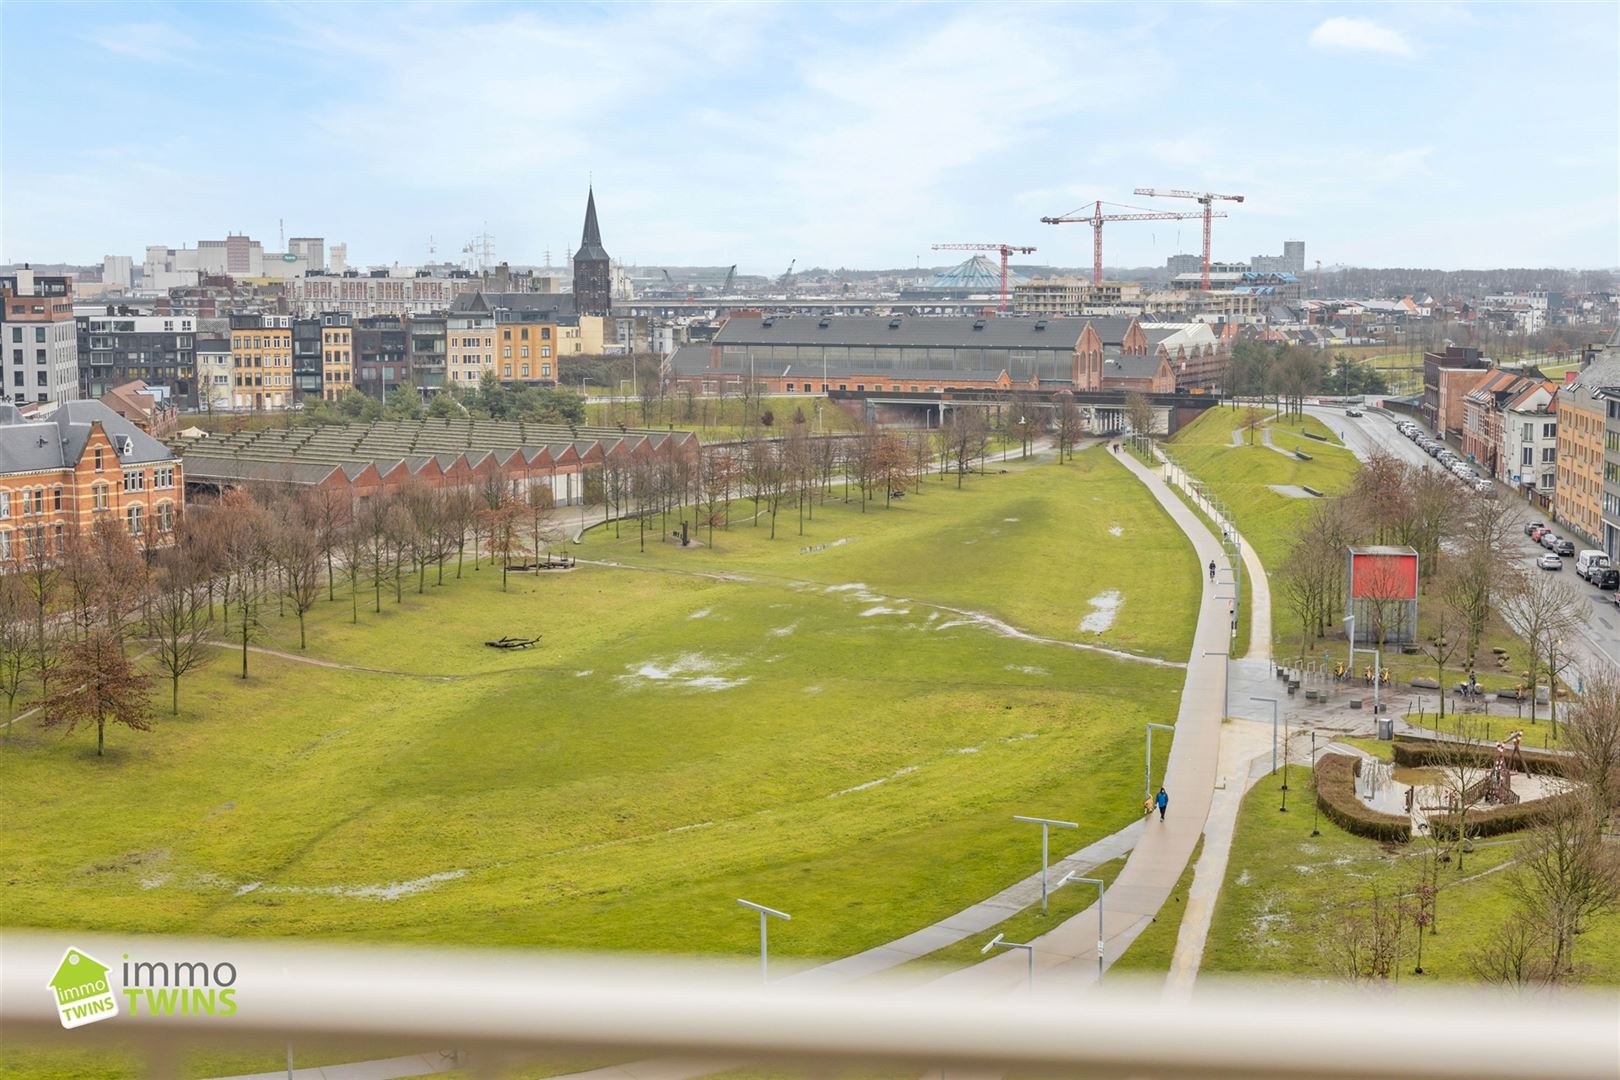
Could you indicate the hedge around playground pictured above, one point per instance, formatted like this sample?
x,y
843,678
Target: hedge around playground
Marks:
x,y
1499,819
1415,752
1336,795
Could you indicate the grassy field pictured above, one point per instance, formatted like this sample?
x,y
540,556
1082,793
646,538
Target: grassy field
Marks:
x,y
1241,477
1034,547
1286,894
675,741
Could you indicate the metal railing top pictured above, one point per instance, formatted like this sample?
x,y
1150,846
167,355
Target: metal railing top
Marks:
x,y
520,1002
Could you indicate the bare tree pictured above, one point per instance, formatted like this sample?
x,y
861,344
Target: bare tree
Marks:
x,y
298,550
1544,610
1568,876
500,525
1068,424
1592,736
328,513
1365,943
1440,646
965,435
1514,955
42,575
179,620
16,642
100,686
1461,780
1139,414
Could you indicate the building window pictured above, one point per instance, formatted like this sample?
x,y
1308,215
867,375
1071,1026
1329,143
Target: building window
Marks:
x,y
134,515
545,371
135,480
98,459
5,504
545,350
165,517
58,499
5,546
98,497
506,352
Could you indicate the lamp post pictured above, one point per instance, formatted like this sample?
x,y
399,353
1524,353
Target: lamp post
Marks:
x,y
1378,671
1314,803
1072,876
1273,703
1226,682
1029,951
764,943
1046,825
1231,612
1147,765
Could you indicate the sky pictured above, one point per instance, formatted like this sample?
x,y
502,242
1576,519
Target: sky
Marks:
x,y
1433,134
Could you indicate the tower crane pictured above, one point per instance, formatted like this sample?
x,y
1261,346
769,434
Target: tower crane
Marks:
x,y
1096,218
1004,249
1205,199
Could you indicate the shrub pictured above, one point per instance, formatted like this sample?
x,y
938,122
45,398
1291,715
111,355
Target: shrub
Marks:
x,y
1336,795
1496,820
1416,753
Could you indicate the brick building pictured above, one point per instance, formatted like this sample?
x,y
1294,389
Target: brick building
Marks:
x,y
82,464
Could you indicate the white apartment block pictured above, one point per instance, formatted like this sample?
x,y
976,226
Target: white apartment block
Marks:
x,y
362,295
1529,443
470,347
40,338
117,271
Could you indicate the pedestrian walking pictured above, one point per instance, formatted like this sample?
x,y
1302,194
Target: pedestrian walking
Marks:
x,y
1161,800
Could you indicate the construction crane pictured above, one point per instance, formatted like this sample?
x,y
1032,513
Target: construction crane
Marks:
x,y
1005,249
787,275
1096,218
731,275
1205,199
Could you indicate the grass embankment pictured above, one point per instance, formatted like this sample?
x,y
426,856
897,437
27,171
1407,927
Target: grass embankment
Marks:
x,y
1286,894
1240,639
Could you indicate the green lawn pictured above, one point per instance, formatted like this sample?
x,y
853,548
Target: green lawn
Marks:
x,y
674,742
1286,894
1034,547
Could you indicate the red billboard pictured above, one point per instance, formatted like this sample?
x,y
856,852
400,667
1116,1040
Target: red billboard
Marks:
x,y
1383,573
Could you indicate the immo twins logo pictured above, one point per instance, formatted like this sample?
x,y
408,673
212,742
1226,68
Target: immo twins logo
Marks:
x,y
85,993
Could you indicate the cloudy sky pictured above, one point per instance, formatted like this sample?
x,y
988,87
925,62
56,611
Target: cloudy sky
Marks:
x,y
1445,135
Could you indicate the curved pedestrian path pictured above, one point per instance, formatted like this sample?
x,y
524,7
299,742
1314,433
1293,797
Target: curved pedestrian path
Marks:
x,y
1066,957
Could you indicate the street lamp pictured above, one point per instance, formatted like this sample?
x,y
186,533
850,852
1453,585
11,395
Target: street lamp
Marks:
x,y
1226,682
1378,671
764,945
1273,702
1029,950
1072,876
1147,765
1231,611
1046,825
1314,801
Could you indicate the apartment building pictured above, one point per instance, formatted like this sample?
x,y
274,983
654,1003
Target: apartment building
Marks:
x,y
337,355
381,354
83,464
40,336
261,362
427,351
380,292
214,374
1529,457
121,347
1583,407
1072,296
525,344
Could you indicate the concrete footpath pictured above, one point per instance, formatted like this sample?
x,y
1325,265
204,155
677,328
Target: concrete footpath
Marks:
x,y
1066,957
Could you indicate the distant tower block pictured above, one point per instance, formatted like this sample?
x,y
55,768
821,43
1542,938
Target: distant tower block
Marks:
x,y
593,281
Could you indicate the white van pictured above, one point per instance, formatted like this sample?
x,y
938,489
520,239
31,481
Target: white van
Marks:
x,y
1589,561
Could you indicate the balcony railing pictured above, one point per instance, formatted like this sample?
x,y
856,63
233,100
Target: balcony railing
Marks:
x,y
507,1004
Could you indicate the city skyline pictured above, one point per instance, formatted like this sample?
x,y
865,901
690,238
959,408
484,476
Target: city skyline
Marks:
x,y
833,136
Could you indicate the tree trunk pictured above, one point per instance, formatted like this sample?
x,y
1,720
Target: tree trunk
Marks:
x,y
244,643
101,735
174,694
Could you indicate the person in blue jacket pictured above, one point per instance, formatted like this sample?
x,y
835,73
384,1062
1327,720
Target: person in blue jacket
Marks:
x,y
1161,801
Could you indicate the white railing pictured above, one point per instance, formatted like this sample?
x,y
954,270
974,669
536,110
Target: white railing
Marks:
x,y
515,1003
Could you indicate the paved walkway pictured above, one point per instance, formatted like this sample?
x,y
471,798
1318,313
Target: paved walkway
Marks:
x,y
1253,569
1066,957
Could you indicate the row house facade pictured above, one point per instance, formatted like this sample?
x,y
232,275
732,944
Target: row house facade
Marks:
x,y
1583,407
121,347
81,465
261,362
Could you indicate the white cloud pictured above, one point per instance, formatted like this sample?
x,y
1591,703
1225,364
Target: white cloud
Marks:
x,y
1343,34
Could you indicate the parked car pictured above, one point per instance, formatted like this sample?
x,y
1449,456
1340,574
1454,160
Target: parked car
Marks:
x,y
1538,532
1549,540
1589,562
1565,548
1531,527
1608,578
1550,561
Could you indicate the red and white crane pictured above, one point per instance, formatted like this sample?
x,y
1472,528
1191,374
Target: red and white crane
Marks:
x,y
1005,249
1205,198
1096,218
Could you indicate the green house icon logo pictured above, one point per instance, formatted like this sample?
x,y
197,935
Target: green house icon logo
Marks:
x,y
83,994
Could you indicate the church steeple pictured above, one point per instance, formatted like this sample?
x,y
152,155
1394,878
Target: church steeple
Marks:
x,y
593,293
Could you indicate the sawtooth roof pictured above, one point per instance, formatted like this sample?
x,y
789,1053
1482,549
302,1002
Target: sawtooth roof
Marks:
x,y
877,331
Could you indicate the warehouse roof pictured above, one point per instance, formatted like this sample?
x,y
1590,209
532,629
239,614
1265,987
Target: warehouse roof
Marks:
x,y
919,331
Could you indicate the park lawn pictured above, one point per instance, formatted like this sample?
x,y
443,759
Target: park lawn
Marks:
x,y
1286,894
672,741
1155,946
1282,426
1034,547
